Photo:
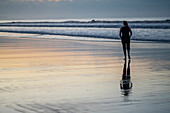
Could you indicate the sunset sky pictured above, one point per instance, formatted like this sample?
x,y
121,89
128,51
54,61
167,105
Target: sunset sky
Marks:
x,y
69,9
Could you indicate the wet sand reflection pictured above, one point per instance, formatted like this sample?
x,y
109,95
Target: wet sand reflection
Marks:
x,y
125,83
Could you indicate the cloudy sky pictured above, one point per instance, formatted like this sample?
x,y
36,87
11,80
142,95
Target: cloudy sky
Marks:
x,y
69,9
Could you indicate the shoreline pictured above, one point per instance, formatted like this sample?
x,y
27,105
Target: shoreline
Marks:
x,y
76,37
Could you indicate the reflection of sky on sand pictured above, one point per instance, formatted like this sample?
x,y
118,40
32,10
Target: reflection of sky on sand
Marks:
x,y
66,72
76,76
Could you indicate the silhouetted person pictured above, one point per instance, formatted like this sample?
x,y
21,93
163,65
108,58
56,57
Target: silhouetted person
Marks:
x,y
125,83
125,34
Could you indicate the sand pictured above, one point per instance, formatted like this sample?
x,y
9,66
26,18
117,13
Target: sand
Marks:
x,y
68,76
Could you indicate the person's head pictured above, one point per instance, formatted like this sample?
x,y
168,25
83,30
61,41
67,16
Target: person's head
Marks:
x,y
125,23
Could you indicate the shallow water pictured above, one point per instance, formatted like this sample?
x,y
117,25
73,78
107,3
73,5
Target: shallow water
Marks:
x,y
61,76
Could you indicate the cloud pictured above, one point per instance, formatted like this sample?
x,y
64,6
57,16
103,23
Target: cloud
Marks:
x,y
42,0
60,0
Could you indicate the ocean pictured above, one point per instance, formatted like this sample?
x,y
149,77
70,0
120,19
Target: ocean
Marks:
x,y
42,73
144,29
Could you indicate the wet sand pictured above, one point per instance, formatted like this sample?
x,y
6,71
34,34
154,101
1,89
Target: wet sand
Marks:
x,y
67,76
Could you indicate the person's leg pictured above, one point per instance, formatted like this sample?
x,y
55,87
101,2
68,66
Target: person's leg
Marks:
x,y
128,70
128,49
124,49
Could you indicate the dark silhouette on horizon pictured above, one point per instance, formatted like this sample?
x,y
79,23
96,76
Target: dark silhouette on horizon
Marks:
x,y
125,83
125,38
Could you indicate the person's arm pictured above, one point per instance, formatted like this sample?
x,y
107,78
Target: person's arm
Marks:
x,y
130,31
120,32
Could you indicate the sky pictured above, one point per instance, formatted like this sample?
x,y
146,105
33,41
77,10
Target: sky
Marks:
x,y
82,9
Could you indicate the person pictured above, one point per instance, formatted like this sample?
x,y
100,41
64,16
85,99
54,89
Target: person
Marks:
x,y
125,38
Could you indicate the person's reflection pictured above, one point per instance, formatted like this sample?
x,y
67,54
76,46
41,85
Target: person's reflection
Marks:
x,y
125,83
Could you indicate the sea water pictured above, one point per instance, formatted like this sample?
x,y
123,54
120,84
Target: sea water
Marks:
x,y
144,29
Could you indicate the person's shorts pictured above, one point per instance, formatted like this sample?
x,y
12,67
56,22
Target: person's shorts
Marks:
x,y
126,44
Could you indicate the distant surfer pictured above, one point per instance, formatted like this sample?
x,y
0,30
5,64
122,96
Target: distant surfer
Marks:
x,y
125,34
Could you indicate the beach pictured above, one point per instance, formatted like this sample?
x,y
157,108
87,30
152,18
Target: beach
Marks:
x,y
71,76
